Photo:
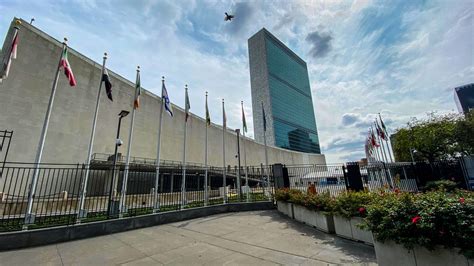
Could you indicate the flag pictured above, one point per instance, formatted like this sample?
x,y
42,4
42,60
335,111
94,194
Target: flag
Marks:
x,y
264,119
108,84
67,67
187,106
208,117
383,124
7,60
166,99
244,122
373,140
380,131
138,92
224,117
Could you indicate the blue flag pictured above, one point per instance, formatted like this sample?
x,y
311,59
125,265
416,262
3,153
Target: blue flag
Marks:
x,y
166,100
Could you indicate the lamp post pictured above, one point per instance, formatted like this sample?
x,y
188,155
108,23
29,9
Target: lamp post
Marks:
x,y
118,143
238,160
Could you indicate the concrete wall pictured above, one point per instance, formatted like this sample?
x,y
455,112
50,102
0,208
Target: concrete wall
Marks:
x,y
25,93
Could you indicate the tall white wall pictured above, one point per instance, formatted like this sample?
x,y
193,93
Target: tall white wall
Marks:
x,y
25,93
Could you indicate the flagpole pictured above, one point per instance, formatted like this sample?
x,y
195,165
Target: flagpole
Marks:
x,y
224,126
266,154
82,211
127,162
247,188
29,217
206,193
156,199
183,182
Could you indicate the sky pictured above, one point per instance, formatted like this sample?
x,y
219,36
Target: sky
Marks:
x,y
398,58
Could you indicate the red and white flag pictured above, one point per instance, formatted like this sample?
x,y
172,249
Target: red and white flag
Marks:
x,y
67,68
7,59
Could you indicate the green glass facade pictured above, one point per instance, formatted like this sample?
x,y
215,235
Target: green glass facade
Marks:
x,y
294,123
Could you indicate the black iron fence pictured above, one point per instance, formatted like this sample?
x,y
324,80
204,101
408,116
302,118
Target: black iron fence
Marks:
x,y
404,176
58,197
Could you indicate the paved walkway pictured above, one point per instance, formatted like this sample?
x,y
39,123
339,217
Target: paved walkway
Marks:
x,y
246,238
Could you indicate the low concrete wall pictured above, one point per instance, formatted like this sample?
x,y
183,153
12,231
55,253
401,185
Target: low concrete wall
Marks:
x,y
46,236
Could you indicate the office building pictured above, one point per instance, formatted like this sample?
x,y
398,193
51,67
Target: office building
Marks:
x,y
279,79
464,97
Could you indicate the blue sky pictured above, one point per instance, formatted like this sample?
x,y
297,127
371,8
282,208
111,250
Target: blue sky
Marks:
x,y
400,58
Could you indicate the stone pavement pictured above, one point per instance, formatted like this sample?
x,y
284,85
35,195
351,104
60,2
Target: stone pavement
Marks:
x,y
246,238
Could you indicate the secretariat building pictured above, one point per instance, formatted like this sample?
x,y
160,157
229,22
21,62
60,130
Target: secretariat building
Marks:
x,y
279,79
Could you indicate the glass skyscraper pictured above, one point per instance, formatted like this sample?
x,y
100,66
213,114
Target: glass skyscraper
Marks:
x,y
279,80
464,97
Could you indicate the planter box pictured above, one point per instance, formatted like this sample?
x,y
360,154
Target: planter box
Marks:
x,y
360,234
342,227
389,253
316,219
286,208
347,228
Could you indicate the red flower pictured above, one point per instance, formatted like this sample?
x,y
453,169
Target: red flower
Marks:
x,y
361,210
461,200
415,219
396,191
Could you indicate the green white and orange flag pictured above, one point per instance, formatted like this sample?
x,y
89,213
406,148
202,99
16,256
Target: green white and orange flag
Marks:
x,y
138,91
64,63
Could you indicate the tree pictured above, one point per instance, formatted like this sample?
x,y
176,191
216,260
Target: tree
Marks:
x,y
464,134
432,139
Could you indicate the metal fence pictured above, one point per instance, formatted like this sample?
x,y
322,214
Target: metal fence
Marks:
x,y
323,177
57,197
402,176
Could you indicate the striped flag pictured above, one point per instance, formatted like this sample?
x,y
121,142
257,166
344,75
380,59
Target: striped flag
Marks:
x,y
108,84
7,59
244,122
138,91
67,67
166,99
187,105
208,117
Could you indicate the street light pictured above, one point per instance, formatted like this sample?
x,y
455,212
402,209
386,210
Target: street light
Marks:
x,y
118,142
238,160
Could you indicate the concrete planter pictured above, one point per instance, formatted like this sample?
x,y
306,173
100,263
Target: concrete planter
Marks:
x,y
342,227
317,219
389,253
347,228
286,208
360,234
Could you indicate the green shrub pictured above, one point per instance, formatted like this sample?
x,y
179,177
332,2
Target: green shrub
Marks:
x,y
352,204
429,219
320,202
446,185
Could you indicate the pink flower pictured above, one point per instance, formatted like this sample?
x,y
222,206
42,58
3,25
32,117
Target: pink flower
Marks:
x,y
415,219
461,200
362,210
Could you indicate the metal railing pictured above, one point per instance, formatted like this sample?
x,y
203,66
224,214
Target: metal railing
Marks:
x,y
323,177
56,199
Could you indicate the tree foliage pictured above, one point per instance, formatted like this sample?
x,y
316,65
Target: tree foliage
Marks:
x,y
437,137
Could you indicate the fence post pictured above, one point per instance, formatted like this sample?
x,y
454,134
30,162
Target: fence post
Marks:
x,y
354,176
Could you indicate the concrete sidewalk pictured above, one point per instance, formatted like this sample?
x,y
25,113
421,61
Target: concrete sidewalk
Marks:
x,y
246,238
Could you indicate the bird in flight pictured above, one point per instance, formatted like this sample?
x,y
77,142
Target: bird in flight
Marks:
x,y
228,17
